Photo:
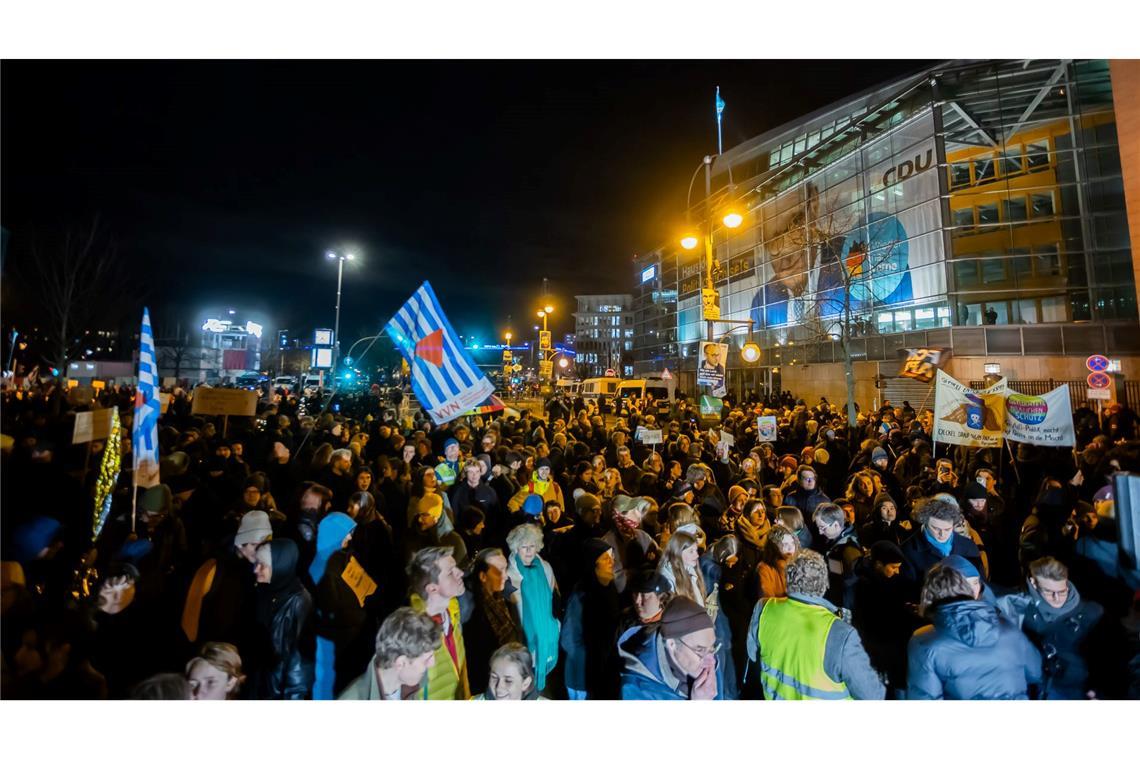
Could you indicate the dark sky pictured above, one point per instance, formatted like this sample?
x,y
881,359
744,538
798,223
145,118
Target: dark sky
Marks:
x,y
224,182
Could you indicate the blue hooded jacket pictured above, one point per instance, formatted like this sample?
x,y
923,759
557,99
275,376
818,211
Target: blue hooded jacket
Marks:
x,y
971,652
645,669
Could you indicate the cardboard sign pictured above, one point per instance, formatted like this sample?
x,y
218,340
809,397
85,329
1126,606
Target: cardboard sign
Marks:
x,y
224,401
98,385
72,383
164,399
711,408
358,580
92,426
728,439
649,436
766,428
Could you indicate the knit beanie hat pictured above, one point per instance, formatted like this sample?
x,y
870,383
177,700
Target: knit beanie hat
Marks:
x,y
975,490
886,552
592,549
253,529
879,453
156,499
789,461
684,616
542,462
449,442
734,492
821,456
585,502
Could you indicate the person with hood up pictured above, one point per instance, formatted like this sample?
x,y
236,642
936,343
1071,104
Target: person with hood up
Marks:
x,y
339,617
884,523
1075,638
542,483
674,659
970,651
449,466
589,628
283,609
802,646
535,598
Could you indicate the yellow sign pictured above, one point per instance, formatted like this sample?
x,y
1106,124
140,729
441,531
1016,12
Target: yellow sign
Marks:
x,y
358,580
72,383
98,385
544,340
92,426
224,401
545,368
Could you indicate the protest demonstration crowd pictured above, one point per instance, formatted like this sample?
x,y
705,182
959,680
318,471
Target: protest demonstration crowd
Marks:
x,y
370,553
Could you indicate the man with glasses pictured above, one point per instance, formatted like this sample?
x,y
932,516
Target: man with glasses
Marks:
x,y
674,659
806,495
1079,645
803,649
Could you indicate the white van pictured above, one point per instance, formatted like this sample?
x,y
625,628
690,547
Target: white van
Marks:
x,y
661,392
601,390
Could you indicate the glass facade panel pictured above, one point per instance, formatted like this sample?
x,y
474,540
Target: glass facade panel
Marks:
x,y
1035,216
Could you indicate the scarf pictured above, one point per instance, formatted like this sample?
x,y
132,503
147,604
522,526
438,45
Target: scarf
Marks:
x,y
625,527
1050,613
499,617
942,548
539,625
749,533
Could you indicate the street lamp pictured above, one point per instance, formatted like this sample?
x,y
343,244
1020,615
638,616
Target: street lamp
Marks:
x,y
340,257
732,218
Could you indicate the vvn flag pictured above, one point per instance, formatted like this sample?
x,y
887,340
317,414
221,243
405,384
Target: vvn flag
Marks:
x,y
444,378
144,428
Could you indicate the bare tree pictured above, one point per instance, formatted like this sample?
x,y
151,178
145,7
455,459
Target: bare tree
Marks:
x,y
78,279
845,258
173,348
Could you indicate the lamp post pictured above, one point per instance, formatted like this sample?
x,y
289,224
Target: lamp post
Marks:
x,y
546,354
732,218
340,257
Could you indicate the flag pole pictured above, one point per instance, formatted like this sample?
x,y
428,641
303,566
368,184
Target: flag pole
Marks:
x,y
719,110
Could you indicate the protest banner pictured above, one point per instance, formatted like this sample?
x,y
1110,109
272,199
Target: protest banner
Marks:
x,y
766,428
92,426
1045,420
229,402
968,417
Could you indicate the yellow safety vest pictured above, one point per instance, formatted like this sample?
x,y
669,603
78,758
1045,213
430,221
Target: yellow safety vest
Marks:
x,y
793,638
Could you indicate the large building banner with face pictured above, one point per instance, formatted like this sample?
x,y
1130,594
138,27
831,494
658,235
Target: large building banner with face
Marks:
x,y
874,214
968,417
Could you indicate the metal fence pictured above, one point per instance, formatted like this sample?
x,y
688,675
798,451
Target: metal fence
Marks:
x,y
1127,392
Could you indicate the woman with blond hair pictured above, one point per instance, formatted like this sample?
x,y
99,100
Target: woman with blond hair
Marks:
x,y
533,578
215,674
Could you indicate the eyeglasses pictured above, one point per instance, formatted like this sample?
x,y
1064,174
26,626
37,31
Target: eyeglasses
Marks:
x,y
1061,594
701,652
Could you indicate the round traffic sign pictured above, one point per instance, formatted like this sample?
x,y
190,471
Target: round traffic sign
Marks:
x,y
1097,363
611,372
1099,380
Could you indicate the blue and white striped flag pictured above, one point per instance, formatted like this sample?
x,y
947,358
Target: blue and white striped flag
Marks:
x,y
444,378
144,429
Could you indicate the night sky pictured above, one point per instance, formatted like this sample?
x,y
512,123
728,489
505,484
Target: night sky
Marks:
x,y
224,182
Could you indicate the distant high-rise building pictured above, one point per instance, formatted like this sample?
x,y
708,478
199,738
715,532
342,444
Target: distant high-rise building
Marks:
x,y
603,334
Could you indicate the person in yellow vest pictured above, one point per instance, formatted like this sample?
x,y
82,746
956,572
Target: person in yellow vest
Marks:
x,y
436,583
405,652
804,650
540,483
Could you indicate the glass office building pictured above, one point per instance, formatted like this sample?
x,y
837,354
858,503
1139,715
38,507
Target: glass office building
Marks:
x,y
977,206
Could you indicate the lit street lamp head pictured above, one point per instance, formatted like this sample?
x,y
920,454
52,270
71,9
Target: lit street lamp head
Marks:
x,y
689,241
733,219
330,254
548,309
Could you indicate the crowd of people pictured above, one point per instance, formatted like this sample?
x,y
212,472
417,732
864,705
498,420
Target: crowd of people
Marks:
x,y
342,552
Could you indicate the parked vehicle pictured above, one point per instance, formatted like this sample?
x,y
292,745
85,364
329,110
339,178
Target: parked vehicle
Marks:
x,y
662,392
601,390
